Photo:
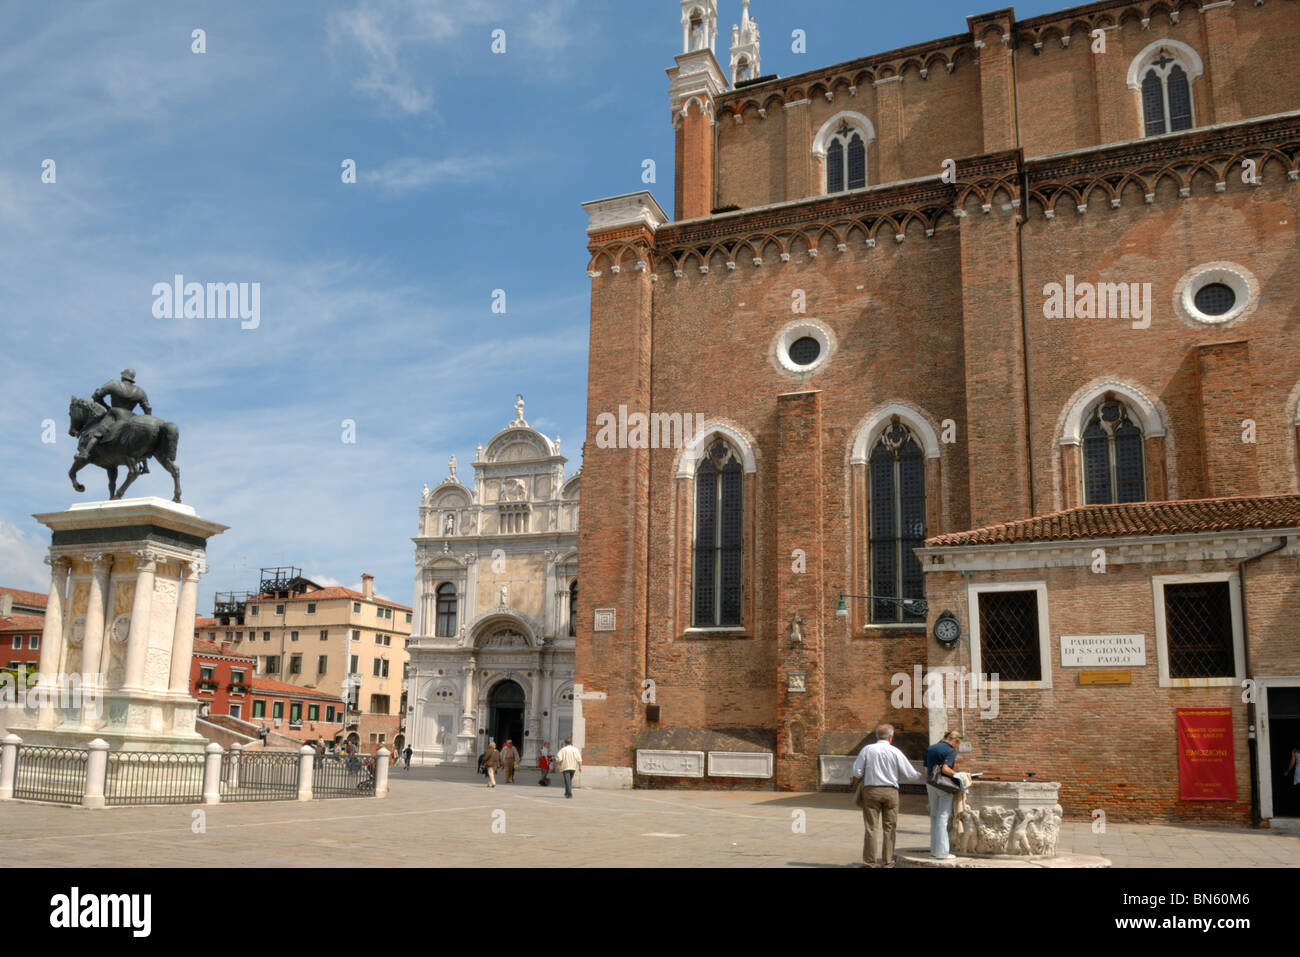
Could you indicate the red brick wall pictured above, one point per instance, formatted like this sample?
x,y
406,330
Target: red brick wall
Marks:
x,y
1068,97
1114,747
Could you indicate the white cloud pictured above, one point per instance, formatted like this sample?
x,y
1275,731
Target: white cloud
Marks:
x,y
21,559
389,34
413,173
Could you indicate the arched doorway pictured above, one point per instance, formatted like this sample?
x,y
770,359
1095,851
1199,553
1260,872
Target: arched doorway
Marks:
x,y
506,714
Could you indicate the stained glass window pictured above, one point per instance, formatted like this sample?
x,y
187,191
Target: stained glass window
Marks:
x,y
719,525
897,522
1113,460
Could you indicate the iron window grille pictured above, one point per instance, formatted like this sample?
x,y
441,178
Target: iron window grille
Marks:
x,y
1198,630
1009,645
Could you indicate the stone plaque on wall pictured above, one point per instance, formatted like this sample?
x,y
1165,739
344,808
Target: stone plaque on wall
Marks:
x,y
673,764
603,619
1096,651
797,681
740,764
835,768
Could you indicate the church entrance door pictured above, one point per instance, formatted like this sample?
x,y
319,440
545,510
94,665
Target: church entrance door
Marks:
x,y
506,715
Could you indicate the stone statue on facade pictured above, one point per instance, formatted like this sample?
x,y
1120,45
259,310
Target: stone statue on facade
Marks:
x,y
115,435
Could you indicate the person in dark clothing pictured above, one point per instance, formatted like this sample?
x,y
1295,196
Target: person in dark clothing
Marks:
x,y
406,756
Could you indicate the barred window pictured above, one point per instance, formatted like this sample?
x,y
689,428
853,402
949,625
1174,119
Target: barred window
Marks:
x,y
1198,630
1166,97
573,609
1113,470
897,522
846,160
718,533
1009,641
446,610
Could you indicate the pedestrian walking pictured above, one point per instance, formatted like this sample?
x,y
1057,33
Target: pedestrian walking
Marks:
x,y
510,760
878,769
492,761
569,761
544,762
943,756
406,756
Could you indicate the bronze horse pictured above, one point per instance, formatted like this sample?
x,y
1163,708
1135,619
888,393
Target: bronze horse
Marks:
x,y
139,438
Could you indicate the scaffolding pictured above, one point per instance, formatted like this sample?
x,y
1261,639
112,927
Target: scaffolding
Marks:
x,y
283,581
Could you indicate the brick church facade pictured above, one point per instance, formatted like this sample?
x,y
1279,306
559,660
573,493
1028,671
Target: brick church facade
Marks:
x,y
1000,329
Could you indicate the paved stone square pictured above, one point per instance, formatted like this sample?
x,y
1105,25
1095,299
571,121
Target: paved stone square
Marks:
x,y
445,818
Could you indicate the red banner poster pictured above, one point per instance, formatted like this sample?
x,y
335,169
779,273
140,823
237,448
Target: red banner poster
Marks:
x,y
1206,769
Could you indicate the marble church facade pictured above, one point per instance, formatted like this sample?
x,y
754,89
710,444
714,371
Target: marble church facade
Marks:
x,y
496,573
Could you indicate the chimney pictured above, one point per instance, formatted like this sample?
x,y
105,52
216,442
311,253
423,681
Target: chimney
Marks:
x,y
6,605
368,586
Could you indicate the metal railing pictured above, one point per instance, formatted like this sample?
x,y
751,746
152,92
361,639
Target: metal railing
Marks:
x,y
151,777
343,775
50,774
259,776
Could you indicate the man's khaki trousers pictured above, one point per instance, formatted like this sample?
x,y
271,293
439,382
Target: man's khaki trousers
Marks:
x,y
879,808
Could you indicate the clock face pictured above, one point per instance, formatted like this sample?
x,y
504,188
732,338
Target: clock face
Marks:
x,y
947,629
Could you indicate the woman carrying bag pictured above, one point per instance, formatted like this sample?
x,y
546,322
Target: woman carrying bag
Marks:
x,y
940,786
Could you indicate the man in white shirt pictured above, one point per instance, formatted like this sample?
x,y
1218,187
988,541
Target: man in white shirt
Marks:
x,y
881,766
569,761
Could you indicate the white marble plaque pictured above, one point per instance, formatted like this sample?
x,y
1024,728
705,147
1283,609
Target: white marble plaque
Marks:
x,y
1100,651
604,619
673,764
797,681
740,764
836,768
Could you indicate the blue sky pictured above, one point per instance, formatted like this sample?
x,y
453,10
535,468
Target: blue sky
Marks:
x,y
375,297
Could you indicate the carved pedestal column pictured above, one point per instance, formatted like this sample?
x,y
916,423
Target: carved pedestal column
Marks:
x,y
137,642
92,642
183,634
52,639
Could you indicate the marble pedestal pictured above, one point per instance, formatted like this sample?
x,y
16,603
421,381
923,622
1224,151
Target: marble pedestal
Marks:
x,y
123,590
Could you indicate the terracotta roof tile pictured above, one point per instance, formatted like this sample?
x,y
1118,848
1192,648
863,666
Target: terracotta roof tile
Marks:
x,y
211,648
270,686
1139,518
22,623
33,598
322,594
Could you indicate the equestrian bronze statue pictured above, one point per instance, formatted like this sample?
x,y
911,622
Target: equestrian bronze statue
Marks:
x,y
115,435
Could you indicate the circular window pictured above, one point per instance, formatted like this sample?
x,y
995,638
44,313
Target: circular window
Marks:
x,y
805,350
1216,293
1215,299
802,347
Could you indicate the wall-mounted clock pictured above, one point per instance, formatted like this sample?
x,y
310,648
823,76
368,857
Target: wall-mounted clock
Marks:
x,y
947,629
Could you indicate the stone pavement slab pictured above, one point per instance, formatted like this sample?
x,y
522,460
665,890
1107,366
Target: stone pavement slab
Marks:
x,y
447,818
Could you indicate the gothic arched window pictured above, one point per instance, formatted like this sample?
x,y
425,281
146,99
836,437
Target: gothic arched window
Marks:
x,y
718,537
446,610
897,470
1166,96
846,160
1113,469
573,609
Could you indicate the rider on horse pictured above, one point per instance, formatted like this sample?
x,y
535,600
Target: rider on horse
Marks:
x,y
125,396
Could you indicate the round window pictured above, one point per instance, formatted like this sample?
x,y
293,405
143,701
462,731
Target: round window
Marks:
x,y
803,347
804,351
1216,293
1215,299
